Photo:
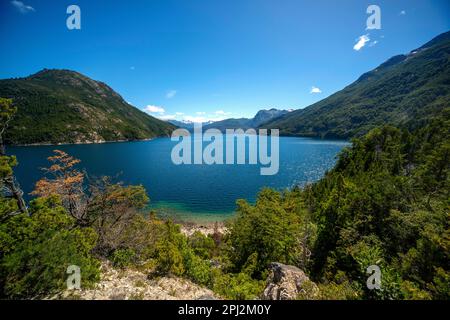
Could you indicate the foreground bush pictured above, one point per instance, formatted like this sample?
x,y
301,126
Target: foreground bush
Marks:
x,y
37,249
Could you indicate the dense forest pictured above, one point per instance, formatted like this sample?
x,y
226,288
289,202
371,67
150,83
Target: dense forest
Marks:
x,y
386,202
63,106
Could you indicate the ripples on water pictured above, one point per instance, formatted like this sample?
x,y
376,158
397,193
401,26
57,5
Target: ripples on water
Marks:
x,y
189,192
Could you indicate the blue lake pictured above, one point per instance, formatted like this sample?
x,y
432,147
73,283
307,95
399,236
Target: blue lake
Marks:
x,y
189,192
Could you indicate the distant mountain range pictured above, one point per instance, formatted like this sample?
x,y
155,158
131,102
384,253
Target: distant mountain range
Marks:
x,y
260,118
405,90
62,106
189,125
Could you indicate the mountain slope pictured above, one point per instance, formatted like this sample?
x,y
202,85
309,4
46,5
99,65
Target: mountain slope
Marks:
x,y
62,106
264,116
260,118
400,91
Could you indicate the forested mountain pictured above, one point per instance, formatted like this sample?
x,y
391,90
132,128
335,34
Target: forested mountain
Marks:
x,y
62,106
401,90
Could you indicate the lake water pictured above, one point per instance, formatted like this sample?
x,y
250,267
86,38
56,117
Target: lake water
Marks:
x,y
189,192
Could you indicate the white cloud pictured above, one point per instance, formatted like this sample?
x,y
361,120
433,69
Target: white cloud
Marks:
x,y
222,113
22,7
200,113
171,93
373,43
179,113
315,90
362,40
154,109
403,12
167,117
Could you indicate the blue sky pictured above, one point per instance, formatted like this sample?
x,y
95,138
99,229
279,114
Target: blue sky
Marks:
x,y
210,59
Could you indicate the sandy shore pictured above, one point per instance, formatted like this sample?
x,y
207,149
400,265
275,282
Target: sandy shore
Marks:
x,y
188,228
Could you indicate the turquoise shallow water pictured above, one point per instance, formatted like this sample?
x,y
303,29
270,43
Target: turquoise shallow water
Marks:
x,y
188,192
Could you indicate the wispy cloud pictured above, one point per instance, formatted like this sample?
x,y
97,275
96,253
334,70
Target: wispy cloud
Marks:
x,y
167,117
179,113
199,113
222,113
171,93
361,42
22,7
154,109
315,90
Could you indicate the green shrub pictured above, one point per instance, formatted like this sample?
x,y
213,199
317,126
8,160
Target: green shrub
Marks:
x,y
271,229
203,246
37,251
122,258
197,269
170,250
239,286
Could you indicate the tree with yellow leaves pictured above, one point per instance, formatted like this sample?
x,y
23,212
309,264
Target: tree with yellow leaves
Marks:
x,y
66,181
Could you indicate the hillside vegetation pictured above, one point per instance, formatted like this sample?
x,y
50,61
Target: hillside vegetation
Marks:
x,y
385,203
408,87
62,106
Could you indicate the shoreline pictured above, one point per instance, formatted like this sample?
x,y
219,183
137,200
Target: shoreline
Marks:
x,y
208,228
38,144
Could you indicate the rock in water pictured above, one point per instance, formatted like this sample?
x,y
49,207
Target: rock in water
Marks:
x,y
288,283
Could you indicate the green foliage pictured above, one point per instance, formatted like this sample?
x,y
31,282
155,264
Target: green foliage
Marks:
x,y
6,165
122,258
386,203
7,111
57,106
37,249
271,231
202,245
338,291
198,269
240,286
170,250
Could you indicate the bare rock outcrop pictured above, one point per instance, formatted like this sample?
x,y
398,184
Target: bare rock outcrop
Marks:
x,y
287,282
131,284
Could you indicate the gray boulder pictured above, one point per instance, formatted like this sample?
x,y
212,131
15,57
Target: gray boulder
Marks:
x,y
288,283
